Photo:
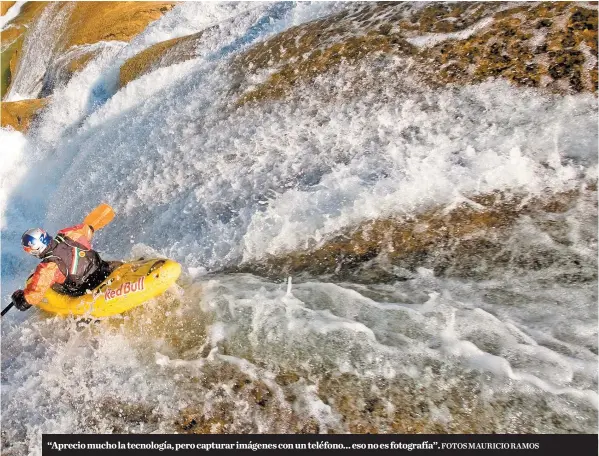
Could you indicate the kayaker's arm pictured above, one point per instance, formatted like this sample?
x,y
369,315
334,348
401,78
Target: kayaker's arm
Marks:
x,y
45,275
81,233
95,220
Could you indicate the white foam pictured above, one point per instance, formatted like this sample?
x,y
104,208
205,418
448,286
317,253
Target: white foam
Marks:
x,y
432,39
14,166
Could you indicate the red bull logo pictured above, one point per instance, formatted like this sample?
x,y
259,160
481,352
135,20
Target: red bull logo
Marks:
x,y
125,289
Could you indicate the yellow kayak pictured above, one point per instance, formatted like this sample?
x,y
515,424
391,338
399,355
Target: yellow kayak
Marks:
x,y
127,287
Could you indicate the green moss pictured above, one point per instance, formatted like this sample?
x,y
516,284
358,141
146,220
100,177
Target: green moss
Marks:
x,y
91,22
15,36
8,61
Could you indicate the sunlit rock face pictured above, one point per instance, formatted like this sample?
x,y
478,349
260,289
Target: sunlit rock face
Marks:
x,y
478,237
4,7
19,114
386,215
550,45
61,37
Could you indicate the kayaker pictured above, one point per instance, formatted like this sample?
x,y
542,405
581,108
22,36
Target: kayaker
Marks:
x,y
69,264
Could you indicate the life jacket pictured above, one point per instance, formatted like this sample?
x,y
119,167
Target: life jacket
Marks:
x,y
75,261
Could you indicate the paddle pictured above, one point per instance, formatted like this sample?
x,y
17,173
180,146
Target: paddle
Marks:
x,y
7,308
99,217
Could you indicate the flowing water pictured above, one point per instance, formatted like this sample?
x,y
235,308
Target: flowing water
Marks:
x,y
195,178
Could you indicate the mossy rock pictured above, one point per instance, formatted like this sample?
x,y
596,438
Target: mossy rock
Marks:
x,y
471,232
5,6
8,60
164,53
12,41
91,22
507,47
19,114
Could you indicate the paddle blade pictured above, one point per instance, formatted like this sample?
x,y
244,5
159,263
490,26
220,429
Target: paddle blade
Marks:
x,y
99,217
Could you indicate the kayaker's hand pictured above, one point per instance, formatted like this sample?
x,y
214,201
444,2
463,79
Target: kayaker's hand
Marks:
x,y
18,298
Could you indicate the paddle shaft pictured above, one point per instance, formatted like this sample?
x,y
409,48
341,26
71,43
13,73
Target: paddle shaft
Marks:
x,y
7,308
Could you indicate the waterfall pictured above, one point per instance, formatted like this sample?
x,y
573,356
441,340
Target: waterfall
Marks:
x,y
38,51
198,176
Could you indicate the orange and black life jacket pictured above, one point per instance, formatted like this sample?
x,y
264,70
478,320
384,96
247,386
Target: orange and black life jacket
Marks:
x,y
75,261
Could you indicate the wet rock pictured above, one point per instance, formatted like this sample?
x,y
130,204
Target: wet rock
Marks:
x,y
5,6
286,378
502,48
466,241
193,422
87,23
12,40
20,114
514,44
162,54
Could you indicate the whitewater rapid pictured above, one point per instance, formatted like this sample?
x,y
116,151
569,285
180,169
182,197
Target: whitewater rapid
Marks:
x,y
196,178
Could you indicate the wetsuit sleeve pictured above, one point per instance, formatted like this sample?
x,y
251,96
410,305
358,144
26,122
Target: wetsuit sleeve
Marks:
x,y
81,233
45,275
